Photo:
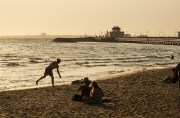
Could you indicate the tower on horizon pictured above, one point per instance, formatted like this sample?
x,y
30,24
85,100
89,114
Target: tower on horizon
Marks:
x,y
116,32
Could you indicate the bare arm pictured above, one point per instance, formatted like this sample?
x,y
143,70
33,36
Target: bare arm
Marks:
x,y
80,88
93,93
58,72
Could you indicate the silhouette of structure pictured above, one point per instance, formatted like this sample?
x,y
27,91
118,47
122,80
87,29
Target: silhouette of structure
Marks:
x,y
178,34
116,32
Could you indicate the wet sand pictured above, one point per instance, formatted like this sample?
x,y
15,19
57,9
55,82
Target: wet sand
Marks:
x,y
138,95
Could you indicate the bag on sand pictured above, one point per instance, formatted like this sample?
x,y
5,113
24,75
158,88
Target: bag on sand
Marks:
x,y
76,97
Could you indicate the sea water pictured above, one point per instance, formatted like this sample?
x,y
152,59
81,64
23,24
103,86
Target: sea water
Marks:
x,y
23,61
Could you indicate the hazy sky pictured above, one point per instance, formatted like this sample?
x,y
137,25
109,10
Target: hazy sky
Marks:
x,y
77,17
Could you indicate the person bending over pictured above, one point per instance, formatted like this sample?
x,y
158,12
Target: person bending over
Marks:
x,y
48,71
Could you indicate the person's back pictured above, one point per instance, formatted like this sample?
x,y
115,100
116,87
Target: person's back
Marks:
x,y
85,91
53,65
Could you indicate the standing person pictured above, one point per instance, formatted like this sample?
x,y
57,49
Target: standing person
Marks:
x,y
48,71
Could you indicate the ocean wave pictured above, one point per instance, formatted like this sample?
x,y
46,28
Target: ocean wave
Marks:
x,y
33,61
8,55
36,58
96,65
12,64
81,63
162,63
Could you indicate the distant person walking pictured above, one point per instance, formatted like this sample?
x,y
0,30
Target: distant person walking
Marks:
x,y
48,71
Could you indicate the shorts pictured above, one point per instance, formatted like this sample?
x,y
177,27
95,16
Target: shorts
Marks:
x,y
48,71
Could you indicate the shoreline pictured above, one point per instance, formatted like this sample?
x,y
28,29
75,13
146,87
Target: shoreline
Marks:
x,y
140,94
111,76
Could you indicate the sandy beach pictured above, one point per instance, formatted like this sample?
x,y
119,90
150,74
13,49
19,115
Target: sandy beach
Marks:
x,y
137,95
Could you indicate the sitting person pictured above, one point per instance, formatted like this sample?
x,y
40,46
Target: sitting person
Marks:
x,y
170,79
85,90
96,94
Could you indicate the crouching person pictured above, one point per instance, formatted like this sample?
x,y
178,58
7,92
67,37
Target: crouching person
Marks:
x,y
95,95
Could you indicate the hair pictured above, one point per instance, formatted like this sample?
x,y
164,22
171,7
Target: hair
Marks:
x,y
94,84
58,60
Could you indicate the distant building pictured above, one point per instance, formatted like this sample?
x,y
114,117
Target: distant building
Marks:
x,y
178,34
116,32
127,35
43,34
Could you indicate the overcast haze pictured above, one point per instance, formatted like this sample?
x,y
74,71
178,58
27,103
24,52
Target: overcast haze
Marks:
x,y
77,17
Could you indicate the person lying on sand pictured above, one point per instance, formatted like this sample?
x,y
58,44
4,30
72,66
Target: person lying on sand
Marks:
x,y
96,94
170,79
48,71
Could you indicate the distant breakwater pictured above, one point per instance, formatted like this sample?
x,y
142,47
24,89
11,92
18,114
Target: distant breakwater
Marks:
x,y
86,39
151,40
140,40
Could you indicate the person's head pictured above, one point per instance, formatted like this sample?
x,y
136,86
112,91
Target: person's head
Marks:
x,y
94,84
86,81
58,60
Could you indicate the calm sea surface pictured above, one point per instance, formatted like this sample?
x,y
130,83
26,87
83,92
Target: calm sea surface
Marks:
x,y
22,61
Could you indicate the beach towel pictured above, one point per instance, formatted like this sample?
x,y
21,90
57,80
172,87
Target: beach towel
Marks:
x,y
78,98
104,100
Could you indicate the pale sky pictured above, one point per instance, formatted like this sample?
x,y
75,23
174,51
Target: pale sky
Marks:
x,y
77,17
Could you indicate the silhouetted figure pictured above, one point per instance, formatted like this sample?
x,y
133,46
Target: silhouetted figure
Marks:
x,y
177,71
48,71
172,56
172,79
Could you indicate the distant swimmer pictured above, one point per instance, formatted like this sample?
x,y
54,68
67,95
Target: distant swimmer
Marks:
x,y
48,71
172,56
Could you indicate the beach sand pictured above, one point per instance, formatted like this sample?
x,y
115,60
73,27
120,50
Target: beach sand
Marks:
x,y
138,95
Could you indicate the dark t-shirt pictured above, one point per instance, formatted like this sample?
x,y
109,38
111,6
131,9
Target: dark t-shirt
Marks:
x,y
85,91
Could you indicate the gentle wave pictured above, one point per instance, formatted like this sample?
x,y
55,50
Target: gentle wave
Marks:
x,y
36,58
12,64
96,65
34,61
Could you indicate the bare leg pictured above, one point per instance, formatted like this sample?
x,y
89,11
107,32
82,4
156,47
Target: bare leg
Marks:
x,y
52,79
168,78
40,79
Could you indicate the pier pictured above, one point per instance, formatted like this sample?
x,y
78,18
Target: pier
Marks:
x,y
151,40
